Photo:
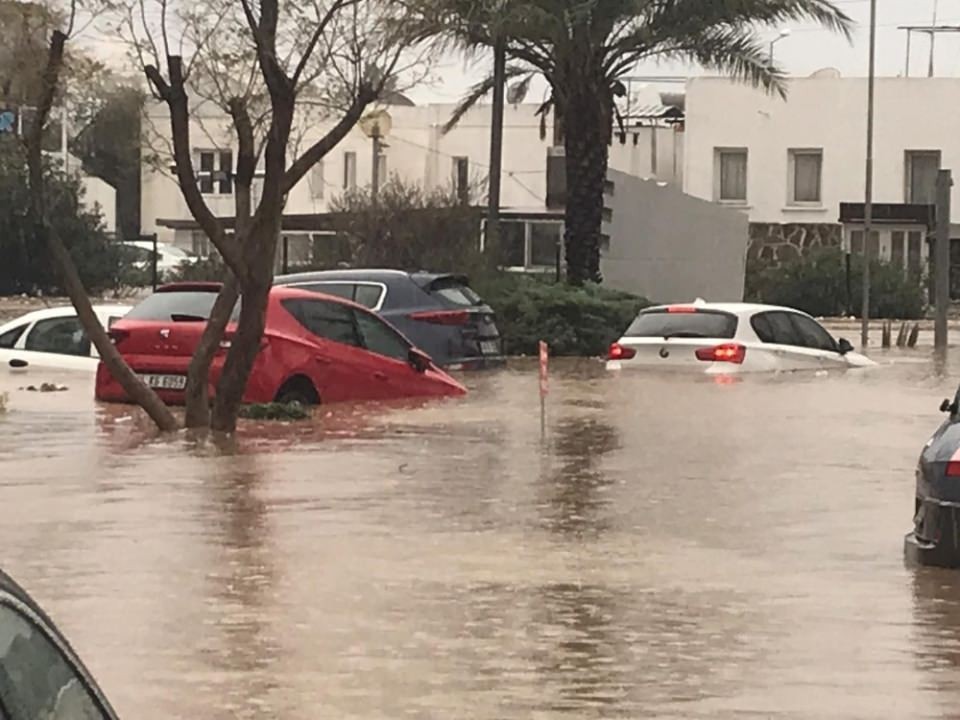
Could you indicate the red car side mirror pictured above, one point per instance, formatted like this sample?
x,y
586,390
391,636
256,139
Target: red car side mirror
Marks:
x,y
419,360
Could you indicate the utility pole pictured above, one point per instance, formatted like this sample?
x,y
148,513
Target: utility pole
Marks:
x,y
941,267
933,38
492,235
375,176
868,190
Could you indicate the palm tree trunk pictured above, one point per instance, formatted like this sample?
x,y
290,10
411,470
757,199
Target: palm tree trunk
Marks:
x,y
587,123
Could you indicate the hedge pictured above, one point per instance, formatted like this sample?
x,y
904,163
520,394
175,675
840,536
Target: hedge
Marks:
x,y
575,321
816,283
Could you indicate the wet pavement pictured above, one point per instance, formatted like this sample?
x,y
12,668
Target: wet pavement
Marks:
x,y
673,547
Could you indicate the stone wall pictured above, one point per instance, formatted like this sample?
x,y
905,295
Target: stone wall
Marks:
x,y
776,242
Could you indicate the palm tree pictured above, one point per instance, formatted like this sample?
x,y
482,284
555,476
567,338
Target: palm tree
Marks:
x,y
584,47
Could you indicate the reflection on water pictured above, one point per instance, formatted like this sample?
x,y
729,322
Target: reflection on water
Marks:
x,y
670,547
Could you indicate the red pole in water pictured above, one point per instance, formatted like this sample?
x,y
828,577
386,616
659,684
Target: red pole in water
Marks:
x,y
544,383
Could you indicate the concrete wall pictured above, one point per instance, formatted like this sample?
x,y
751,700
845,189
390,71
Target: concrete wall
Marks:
x,y
671,247
827,113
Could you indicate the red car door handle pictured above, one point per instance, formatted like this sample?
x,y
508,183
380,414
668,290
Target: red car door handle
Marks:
x,y
380,376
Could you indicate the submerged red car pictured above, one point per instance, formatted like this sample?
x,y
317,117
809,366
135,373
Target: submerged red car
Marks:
x,y
316,348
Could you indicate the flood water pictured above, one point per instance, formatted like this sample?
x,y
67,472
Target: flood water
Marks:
x,y
670,548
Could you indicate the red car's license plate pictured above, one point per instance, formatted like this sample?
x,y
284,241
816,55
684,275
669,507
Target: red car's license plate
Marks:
x,y
165,382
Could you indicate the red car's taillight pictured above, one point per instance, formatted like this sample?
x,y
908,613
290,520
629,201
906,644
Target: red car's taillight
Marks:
x,y
619,352
728,352
442,317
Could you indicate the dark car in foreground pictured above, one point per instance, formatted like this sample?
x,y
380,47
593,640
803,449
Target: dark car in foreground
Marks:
x,y
40,674
440,313
935,539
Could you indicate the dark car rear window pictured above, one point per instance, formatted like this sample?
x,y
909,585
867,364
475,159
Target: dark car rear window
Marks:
x,y
174,306
454,292
702,323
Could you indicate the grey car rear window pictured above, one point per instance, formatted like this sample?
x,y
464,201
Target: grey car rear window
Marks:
x,y
698,324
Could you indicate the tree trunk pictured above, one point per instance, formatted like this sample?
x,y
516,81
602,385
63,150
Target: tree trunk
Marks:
x,y
135,389
587,126
198,374
242,354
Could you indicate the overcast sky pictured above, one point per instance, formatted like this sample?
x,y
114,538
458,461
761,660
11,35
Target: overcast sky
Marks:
x,y
804,51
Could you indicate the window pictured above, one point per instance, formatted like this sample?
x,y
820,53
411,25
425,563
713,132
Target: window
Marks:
x,y
812,335
349,170
175,306
216,172
731,175
379,338
461,178
544,241
200,244
512,244
36,679
328,320
700,324
896,248
368,295
63,336
806,167
10,337
776,328
452,291
317,181
856,242
921,176
343,290
914,253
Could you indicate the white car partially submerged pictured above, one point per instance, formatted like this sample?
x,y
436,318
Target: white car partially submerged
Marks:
x,y
730,338
53,339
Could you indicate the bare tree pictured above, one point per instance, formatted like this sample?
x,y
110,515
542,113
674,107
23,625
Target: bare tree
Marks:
x,y
256,62
44,231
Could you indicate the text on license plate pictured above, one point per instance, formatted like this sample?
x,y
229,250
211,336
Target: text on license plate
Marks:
x,y
165,382
490,347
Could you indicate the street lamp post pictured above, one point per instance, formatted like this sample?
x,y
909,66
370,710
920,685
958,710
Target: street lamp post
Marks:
x,y
785,32
376,126
868,189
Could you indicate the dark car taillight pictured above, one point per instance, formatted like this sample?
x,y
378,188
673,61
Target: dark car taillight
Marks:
x,y
953,468
442,317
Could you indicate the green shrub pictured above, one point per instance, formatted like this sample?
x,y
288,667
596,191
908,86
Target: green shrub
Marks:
x,y
210,269
26,266
573,321
816,283
274,411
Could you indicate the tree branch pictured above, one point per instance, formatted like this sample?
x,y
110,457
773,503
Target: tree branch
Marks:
x,y
317,34
175,95
318,150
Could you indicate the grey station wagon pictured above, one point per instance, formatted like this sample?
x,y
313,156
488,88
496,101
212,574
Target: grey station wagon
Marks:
x,y
439,313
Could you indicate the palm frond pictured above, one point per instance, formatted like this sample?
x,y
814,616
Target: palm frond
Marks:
x,y
517,92
476,94
737,53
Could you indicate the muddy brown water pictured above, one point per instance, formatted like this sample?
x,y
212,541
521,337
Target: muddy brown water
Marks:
x,y
673,547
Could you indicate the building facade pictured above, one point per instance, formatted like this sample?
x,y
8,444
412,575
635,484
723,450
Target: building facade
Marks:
x,y
789,164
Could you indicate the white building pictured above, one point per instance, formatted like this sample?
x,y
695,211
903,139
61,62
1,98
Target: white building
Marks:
x,y
789,164
653,229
